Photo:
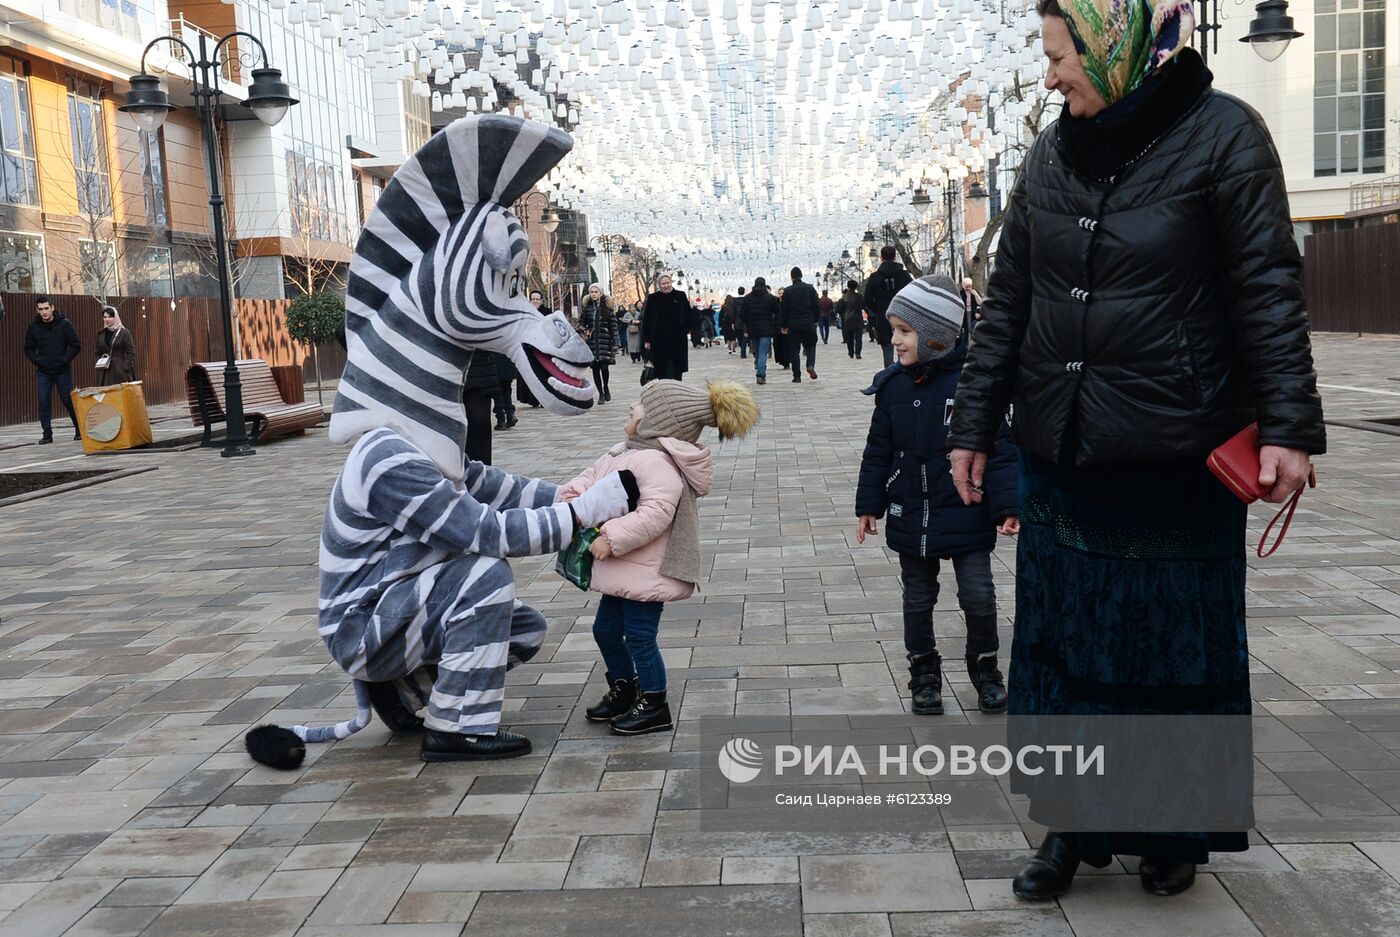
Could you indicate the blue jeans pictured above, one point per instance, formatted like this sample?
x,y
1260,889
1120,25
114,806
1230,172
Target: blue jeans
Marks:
x,y
46,384
743,346
761,347
625,630
824,327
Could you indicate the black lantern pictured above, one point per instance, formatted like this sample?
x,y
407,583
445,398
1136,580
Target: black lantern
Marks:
x,y
268,96
1271,30
147,103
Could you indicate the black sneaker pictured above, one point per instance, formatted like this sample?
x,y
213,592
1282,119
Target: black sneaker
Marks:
x,y
453,746
511,421
500,426
77,436
650,714
46,441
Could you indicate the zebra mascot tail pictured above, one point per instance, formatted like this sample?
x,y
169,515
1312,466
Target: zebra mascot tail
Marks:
x,y
438,273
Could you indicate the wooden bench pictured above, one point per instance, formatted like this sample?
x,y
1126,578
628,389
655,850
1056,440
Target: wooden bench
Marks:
x,y
268,415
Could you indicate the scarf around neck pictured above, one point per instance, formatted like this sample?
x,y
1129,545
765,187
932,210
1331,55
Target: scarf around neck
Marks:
x,y
682,558
1121,42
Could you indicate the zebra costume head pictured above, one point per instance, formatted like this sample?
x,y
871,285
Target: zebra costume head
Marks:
x,y
439,272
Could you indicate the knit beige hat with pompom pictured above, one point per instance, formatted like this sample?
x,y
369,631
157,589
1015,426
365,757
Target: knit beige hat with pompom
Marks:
x,y
682,411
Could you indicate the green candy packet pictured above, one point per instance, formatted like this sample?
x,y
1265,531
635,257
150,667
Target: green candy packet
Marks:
x,y
574,562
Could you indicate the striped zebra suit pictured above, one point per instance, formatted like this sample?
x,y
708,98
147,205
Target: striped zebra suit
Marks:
x,y
416,589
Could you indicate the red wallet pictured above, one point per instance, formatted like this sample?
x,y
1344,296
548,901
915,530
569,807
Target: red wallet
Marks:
x,y
1236,463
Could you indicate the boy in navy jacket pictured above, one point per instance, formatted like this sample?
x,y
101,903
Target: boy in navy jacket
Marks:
x,y
905,475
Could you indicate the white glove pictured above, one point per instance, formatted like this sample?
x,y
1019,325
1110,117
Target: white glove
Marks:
x,y
612,496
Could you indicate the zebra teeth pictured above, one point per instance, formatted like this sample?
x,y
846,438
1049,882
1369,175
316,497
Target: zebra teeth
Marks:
x,y
570,392
573,370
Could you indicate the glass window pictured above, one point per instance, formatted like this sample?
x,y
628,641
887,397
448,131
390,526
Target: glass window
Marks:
x,y
1349,86
22,263
153,178
1325,154
89,133
159,273
98,262
19,178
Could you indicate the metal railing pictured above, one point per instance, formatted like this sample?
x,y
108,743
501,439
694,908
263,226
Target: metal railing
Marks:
x,y
189,33
1380,193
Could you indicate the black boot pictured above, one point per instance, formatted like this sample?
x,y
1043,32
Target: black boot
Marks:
x,y
926,683
621,696
500,423
650,714
988,682
1166,878
384,699
453,746
1051,872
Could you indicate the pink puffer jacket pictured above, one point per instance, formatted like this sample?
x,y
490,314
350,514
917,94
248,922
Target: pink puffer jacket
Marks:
x,y
639,539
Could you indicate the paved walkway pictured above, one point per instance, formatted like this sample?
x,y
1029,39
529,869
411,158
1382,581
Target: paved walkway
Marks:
x,y
147,623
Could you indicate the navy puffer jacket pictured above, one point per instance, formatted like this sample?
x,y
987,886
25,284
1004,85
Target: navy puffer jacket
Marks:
x,y
905,472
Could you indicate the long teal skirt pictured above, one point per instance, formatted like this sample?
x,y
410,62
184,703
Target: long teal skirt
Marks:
x,y
1130,598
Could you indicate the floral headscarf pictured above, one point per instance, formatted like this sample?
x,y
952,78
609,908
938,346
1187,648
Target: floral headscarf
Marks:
x,y
1121,42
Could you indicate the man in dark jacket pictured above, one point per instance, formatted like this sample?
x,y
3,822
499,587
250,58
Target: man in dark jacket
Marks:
x,y
797,318
665,326
850,313
887,280
738,328
51,343
758,320
502,403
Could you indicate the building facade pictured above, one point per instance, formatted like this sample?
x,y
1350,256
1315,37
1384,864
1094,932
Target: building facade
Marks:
x,y
89,203
1331,100
92,205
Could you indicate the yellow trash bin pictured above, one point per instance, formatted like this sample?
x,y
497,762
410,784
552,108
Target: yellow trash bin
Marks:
x,y
112,417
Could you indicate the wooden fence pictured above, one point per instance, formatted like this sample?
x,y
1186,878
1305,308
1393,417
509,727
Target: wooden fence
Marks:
x,y
1352,279
169,337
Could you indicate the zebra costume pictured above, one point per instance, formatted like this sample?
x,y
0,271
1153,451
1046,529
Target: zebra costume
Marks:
x,y
416,593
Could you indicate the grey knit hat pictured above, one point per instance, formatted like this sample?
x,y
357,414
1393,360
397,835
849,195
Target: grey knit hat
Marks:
x,y
933,308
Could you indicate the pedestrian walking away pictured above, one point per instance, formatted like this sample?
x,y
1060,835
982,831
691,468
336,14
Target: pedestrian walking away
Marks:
x,y
905,477
653,556
850,312
1158,205
758,319
51,343
825,307
797,321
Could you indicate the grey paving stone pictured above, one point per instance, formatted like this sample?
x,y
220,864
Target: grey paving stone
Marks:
x,y
1282,904
746,911
915,882
1027,923
608,862
263,918
1105,904
363,895
56,907
603,812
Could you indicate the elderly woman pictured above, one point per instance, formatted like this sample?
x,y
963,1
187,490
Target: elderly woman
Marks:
x,y
116,350
1146,305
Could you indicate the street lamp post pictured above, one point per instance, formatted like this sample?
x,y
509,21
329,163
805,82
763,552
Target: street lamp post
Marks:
x,y
610,244
1270,31
268,98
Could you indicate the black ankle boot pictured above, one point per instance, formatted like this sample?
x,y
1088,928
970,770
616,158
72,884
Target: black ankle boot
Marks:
x,y
926,683
649,714
1051,872
453,746
1166,878
384,699
621,696
987,681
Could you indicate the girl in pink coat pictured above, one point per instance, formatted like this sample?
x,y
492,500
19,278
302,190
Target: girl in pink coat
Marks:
x,y
652,556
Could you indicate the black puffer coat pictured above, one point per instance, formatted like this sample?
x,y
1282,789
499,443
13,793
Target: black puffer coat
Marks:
x,y
1150,317
758,314
799,307
601,325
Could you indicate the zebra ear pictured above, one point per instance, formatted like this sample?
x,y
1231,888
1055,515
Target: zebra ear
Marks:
x,y
496,243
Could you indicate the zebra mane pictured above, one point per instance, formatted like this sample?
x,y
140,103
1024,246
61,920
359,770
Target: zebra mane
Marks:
x,y
427,281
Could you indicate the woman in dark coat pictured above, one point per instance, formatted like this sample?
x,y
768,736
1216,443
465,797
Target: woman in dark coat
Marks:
x,y
599,324
1156,310
665,329
116,343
